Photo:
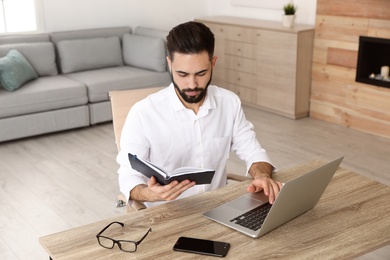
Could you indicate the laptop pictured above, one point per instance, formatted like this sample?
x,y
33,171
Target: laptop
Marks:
x,y
252,215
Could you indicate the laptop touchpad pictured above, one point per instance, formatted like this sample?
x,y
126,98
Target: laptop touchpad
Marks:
x,y
244,203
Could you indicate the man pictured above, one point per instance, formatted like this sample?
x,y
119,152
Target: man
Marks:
x,y
190,123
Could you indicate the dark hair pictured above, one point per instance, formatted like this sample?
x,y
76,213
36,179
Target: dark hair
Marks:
x,y
190,38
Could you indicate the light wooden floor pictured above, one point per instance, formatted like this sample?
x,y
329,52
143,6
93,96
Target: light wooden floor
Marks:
x,y
63,180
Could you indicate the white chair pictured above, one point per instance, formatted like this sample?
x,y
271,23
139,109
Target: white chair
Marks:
x,y
121,102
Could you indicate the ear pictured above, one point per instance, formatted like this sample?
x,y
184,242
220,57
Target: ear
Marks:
x,y
169,63
213,61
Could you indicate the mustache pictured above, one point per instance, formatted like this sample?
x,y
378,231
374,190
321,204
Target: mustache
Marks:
x,y
192,89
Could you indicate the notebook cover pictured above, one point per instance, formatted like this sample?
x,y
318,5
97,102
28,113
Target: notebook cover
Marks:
x,y
199,177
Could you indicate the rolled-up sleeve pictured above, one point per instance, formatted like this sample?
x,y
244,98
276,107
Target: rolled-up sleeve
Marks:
x,y
244,141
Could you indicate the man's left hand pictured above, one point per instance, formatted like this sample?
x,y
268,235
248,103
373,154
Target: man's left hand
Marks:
x,y
270,187
261,173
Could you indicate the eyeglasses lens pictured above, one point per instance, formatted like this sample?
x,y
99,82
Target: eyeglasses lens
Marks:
x,y
105,242
128,246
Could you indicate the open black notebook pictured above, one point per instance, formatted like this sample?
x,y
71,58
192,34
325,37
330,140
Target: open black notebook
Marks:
x,y
200,176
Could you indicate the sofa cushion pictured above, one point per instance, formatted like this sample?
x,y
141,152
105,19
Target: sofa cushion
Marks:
x,y
41,56
15,70
43,94
43,122
151,32
144,52
56,37
88,54
99,82
23,38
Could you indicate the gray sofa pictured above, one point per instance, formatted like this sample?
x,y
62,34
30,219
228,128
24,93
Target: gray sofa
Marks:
x,y
74,71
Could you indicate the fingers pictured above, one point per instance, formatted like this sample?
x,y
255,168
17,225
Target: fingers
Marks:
x,y
274,191
152,181
270,187
252,188
178,189
170,191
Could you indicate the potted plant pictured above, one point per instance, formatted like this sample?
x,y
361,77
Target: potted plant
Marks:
x,y
289,14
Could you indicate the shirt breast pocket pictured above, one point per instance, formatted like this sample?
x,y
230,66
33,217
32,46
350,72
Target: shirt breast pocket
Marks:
x,y
221,150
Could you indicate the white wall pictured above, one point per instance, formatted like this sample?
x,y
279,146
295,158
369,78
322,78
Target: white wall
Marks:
x,y
165,14
61,15
306,10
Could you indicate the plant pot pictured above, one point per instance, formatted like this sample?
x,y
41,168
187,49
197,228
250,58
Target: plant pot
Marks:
x,y
288,20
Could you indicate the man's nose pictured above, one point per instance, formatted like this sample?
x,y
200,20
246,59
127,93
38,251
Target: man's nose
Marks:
x,y
192,82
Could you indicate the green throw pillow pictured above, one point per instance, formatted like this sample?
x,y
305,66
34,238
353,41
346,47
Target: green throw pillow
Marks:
x,y
15,70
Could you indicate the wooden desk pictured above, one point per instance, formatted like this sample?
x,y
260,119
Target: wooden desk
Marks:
x,y
351,219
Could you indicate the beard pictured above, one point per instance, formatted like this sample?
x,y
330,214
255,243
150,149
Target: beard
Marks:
x,y
192,99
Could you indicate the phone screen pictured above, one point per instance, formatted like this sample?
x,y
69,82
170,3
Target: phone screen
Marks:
x,y
202,246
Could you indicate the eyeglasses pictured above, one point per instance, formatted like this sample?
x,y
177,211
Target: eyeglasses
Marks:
x,y
124,245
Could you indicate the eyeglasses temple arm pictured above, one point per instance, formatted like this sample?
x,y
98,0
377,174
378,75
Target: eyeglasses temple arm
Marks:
x,y
150,229
104,229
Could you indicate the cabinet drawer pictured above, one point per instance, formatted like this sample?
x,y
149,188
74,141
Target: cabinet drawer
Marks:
x,y
219,77
246,50
221,60
283,49
279,40
276,100
219,49
241,78
277,93
229,87
241,34
276,71
240,64
247,95
217,29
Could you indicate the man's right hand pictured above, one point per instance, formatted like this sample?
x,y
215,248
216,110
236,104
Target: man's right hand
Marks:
x,y
157,192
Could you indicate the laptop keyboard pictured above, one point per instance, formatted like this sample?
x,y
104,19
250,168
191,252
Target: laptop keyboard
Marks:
x,y
254,218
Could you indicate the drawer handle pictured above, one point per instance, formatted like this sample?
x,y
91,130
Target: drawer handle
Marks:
x,y
238,64
239,79
238,49
239,35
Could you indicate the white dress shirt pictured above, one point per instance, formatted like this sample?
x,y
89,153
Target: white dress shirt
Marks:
x,y
162,130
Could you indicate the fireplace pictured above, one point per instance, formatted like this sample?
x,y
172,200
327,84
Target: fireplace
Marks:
x,y
373,61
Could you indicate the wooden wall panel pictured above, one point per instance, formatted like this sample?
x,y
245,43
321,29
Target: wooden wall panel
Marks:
x,y
340,57
333,73
370,98
335,96
351,117
340,28
321,46
321,88
379,28
327,112
355,8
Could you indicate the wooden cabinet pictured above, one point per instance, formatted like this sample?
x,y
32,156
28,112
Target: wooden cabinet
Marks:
x,y
266,64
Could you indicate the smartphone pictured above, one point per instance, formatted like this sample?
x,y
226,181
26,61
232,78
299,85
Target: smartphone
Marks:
x,y
201,246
